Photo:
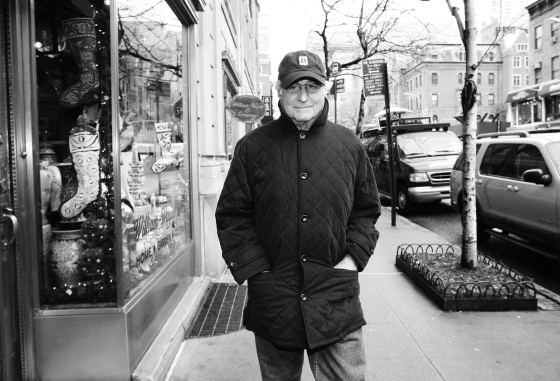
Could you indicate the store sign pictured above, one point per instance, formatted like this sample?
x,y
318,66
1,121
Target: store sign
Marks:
x,y
247,108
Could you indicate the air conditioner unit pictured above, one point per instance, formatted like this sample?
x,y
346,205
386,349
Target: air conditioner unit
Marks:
x,y
538,65
553,39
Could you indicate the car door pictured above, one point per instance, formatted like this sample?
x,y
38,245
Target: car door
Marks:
x,y
496,169
531,208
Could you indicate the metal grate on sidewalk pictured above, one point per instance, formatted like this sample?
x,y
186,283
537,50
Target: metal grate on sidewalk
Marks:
x,y
222,311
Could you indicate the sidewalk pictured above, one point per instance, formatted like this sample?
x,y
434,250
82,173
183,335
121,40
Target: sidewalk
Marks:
x,y
407,336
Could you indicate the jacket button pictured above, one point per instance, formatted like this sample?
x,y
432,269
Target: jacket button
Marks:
x,y
232,264
304,176
302,135
303,258
304,218
303,297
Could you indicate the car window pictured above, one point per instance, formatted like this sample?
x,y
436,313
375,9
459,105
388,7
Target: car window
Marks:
x,y
429,143
528,156
495,161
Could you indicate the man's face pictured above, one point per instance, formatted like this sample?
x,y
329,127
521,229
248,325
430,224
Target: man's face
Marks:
x,y
303,101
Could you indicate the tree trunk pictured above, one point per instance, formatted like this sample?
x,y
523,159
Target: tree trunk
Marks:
x,y
469,242
361,113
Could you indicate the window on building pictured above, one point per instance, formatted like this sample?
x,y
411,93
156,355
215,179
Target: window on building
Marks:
x,y
526,79
554,32
490,78
491,99
538,36
420,79
461,56
416,82
478,78
516,61
538,75
478,99
522,47
434,78
516,80
526,61
434,99
460,78
491,56
555,67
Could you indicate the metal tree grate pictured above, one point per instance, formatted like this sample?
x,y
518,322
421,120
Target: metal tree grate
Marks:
x,y
222,311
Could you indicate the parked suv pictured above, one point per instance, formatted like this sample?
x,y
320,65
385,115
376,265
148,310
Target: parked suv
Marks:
x,y
423,158
517,187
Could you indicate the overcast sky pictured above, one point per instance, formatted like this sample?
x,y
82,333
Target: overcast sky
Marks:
x,y
291,20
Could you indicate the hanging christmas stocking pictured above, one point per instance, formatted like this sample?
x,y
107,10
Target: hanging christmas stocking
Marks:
x,y
84,147
80,36
163,131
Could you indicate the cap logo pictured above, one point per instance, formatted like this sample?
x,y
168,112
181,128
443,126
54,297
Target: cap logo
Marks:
x,y
303,60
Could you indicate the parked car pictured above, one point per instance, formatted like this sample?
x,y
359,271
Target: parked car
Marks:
x,y
517,187
423,157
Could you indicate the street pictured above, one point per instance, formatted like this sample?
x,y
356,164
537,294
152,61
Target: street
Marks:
x,y
441,218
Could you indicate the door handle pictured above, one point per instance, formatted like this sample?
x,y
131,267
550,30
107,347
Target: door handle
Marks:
x,y
8,216
512,188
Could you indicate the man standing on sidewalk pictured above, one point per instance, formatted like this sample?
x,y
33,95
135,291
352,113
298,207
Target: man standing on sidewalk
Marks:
x,y
296,218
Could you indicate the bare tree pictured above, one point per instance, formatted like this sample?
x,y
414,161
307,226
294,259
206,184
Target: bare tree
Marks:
x,y
376,28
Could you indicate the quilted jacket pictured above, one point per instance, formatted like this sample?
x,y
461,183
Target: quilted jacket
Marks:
x,y
295,203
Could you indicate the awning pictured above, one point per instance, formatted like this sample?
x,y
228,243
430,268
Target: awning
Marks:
x,y
521,95
550,88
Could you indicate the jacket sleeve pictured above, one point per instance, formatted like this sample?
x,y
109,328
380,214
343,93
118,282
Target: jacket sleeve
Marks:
x,y
361,234
235,221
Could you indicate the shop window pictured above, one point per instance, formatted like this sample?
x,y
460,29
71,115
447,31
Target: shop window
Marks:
x,y
80,169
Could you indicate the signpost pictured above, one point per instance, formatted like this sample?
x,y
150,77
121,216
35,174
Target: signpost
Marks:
x,y
376,83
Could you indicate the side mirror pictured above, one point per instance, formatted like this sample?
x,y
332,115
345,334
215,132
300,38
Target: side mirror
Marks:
x,y
536,176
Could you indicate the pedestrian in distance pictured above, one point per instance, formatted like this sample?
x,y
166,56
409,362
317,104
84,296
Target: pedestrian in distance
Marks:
x,y
296,220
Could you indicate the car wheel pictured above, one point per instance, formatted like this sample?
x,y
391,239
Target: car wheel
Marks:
x,y
403,201
481,233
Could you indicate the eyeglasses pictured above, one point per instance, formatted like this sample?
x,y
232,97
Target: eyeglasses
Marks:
x,y
310,87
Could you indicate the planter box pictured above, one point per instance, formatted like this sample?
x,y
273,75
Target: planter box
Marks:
x,y
513,292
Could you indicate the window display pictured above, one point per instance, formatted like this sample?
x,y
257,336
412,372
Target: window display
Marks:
x,y
80,172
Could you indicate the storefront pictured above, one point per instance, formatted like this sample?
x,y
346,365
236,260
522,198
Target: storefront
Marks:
x,y
537,106
96,193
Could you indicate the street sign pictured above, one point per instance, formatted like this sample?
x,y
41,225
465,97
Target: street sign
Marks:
x,y
335,68
267,100
159,87
373,77
340,85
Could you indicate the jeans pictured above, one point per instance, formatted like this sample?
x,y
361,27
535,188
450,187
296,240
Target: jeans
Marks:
x,y
343,360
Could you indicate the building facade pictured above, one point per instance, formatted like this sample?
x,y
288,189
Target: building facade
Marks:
x,y
115,138
431,84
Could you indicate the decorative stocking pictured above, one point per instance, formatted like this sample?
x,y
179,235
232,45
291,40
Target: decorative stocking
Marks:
x,y
80,36
84,147
163,131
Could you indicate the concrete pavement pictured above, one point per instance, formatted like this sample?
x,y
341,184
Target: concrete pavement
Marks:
x,y
407,336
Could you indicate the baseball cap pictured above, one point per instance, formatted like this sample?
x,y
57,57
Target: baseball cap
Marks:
x,y
300,64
